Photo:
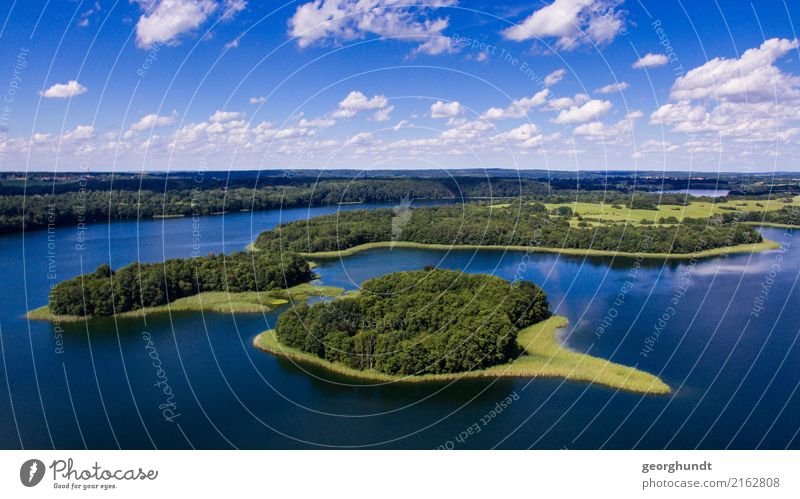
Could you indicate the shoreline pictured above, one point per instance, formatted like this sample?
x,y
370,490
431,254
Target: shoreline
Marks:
x,y
764,245
543,357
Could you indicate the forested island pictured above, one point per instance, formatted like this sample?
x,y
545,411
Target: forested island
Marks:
x,y
239,282
441,324
518,225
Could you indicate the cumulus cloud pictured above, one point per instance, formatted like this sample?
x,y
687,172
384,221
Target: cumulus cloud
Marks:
x,y
80,132
747,99
151,121
64,90
316,123
526,136
449,110
566,102
224,116
518,108
335,21
753,76
613,88
650,61
590,111
231,8
164,21
572,23
383,115
618,132
356,102
257,100
554,77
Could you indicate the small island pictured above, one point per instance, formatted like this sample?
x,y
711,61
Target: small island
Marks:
x,y
431,325
239,282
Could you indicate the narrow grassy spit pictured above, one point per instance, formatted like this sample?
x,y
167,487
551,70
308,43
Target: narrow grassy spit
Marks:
x,y
764,245
213,301
543,356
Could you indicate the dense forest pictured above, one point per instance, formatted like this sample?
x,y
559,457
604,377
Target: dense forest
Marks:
x,y
789,215
521,224
141,285
37,201
96,205
426,321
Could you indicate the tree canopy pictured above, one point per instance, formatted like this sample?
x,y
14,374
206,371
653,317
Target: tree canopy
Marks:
x,y
142,285
426,321
521,224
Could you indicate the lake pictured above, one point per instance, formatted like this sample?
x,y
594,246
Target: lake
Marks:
x,y
711,193
722,332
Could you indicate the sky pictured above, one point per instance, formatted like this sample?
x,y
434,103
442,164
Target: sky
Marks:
x,y
144,85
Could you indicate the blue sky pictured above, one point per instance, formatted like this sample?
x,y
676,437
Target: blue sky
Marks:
x,y
564,85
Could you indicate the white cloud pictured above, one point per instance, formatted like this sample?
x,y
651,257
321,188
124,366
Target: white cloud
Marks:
x,y
650,61
566,102
589,111
333,21
317,123
382,115
360,138
224,116
518,108
572,23
356,102
233,44
436,45
751,77
747,100
441,110
613,88
231,8
64,90
80,132
151,121
554,77
257,100
619,132
165,20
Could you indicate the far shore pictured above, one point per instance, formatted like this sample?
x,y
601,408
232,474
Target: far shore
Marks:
x,y
764,245
544,357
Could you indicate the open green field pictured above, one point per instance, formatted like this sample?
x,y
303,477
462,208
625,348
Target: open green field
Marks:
x,y
609,213
544,356
766,244
213,301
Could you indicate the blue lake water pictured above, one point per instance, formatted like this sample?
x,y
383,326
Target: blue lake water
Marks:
x,y
711,193
726,342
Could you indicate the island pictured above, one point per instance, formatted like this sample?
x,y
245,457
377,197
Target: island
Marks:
x,y
432,325
239,282
664,233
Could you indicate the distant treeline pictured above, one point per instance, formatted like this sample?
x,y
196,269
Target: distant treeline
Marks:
x,y
426,321
520,224
86,206
142,285
107,198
